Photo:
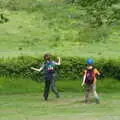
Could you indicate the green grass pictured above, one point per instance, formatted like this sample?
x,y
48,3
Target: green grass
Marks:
x,y
69,106
17,85
20,85
22,99
58,28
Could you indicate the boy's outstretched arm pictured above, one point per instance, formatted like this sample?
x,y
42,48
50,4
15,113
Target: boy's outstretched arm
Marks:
x,y
37,69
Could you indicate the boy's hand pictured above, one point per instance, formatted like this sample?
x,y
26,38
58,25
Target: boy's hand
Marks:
x,y
58,58
32,68
82,84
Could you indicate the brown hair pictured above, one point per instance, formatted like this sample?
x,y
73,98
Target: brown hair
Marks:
x,y
47,57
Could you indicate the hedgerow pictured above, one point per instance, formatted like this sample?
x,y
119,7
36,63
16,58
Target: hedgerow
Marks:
x,y
71,68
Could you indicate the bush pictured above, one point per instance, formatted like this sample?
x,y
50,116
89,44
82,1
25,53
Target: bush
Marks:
x,y
71,69
20,67
29,5
99,12
97,3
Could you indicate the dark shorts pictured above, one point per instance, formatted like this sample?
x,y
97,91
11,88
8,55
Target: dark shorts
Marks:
x,y
49,75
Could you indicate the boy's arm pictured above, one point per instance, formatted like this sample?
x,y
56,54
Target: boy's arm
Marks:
x,y
84,77
36,69
58,61
97,72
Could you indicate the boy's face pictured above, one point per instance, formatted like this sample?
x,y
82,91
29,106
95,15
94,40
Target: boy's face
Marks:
x,y
47,57
89,66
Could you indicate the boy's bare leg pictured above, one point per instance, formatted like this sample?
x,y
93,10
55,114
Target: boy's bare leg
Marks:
x,y
87,92
95,94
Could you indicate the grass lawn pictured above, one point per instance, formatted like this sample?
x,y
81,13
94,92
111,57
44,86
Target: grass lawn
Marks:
x,y
68,107
22,99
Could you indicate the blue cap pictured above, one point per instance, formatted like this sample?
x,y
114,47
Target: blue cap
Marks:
x,y
90,61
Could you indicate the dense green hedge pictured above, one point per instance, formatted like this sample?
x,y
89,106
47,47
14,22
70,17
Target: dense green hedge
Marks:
x,y
71,68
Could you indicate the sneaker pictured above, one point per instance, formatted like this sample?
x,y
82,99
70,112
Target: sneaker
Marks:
x,y
87,102
57,96
45,99
97,101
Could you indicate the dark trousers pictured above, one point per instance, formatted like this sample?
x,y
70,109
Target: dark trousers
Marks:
x,y
50,83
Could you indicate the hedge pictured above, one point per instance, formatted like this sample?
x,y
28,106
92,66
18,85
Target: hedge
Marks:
x,y
71,68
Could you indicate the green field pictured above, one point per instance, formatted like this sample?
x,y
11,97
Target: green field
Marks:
x,y
22,99
69,107
58,28
20,85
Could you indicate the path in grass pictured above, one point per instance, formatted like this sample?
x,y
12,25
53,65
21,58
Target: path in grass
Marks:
x,y
68,107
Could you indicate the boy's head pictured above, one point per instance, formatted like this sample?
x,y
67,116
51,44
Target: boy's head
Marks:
x,y
90,62
47,57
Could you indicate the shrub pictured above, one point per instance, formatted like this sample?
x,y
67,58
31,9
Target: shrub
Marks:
x,y
29,5
71,69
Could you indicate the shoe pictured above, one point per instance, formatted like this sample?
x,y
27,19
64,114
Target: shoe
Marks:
x,y
45,99
57,96
97,101
87,102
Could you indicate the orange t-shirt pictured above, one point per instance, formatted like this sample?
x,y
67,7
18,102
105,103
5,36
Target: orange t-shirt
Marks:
x,y
96,72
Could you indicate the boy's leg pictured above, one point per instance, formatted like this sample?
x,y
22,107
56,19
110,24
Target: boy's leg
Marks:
x,y
46,89
87,92
53,87
95,93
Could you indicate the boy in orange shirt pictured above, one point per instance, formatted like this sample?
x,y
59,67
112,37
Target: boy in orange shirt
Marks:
x,y
89,80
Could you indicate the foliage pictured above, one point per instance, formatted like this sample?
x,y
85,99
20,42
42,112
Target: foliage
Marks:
x,y
99,12
71,69
15,5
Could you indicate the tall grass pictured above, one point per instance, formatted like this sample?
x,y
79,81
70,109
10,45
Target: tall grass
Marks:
x,y
15,85
19,85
